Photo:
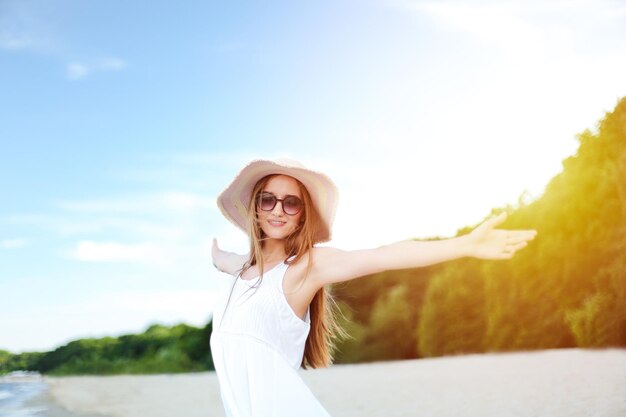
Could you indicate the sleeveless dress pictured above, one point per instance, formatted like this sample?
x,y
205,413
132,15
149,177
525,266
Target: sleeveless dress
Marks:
x,y
257,346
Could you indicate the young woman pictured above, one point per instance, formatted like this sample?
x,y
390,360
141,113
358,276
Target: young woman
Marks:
x,y
278,315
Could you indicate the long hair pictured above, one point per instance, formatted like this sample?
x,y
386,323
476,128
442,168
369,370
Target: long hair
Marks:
x,y
324,330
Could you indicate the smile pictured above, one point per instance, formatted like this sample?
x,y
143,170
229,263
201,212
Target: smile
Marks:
x,y
276,223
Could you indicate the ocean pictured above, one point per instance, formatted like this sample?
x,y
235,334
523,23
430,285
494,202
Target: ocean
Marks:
x,y
15,397
24,394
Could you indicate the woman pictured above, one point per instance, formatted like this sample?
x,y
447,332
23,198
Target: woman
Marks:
x,y
279,315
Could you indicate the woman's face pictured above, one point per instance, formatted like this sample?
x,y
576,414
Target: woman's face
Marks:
x,y
276,223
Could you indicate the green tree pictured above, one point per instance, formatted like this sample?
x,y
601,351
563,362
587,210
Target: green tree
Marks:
x,y
453,320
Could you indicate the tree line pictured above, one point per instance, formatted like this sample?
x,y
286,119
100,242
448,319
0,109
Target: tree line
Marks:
x,y
160,349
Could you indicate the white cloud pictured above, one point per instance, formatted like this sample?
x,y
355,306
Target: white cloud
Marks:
x,y
117,252
137,228
24,28
34,219
530,27
14,43
76,70
200,170
169,226
164,256
164,201
498,22
13,243
217,159
79,70
111,64
183,201
72,225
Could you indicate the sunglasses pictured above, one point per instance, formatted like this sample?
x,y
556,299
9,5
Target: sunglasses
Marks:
x,y
291,204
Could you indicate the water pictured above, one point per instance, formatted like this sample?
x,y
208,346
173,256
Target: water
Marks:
x,y
15,395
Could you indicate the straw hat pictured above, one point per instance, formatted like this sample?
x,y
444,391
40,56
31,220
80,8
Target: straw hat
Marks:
x,y
233,201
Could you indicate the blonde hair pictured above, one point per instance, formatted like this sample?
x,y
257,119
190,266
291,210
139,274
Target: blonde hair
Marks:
x,y
324,331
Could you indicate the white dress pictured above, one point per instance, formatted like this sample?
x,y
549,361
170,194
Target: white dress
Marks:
x,y
257,346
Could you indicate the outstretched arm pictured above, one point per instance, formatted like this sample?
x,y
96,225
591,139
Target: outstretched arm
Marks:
x,y
484,242
228,262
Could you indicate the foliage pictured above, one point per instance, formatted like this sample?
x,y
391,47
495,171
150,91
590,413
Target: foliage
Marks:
x,y
382,314
349,349
453,319
4,356
391,322
180,348
21,361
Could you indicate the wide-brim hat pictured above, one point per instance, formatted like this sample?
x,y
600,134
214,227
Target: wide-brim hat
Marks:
x,y
233,201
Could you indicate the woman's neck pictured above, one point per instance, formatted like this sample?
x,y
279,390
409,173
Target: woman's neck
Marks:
x,y
273,250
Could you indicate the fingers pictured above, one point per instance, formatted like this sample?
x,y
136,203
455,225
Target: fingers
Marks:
x,y
510,249
528,234
215,249
520,245
515,240
498,219
514,237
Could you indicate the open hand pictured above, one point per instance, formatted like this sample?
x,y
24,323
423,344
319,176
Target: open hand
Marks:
x,y
486,242
217,254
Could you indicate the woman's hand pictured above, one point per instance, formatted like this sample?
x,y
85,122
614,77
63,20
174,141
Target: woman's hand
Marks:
x,y
486,242
218,255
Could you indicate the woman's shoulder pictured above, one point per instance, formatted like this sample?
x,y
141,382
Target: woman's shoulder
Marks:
x,y
318,257
321,256
316,253
299,267
324,251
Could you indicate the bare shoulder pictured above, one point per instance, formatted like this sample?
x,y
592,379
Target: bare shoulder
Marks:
x,y
321,258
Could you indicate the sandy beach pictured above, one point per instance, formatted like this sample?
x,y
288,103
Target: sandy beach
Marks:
x,y
555,383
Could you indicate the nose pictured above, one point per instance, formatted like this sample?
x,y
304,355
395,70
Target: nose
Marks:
x,y
278,209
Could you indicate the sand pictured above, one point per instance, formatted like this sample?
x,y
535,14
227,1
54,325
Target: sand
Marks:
x,y
554,383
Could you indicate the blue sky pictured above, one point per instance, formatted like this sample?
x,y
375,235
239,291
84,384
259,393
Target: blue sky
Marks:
x,y
122,121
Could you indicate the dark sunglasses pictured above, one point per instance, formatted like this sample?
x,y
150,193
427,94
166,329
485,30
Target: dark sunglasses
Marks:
x,y
291,204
